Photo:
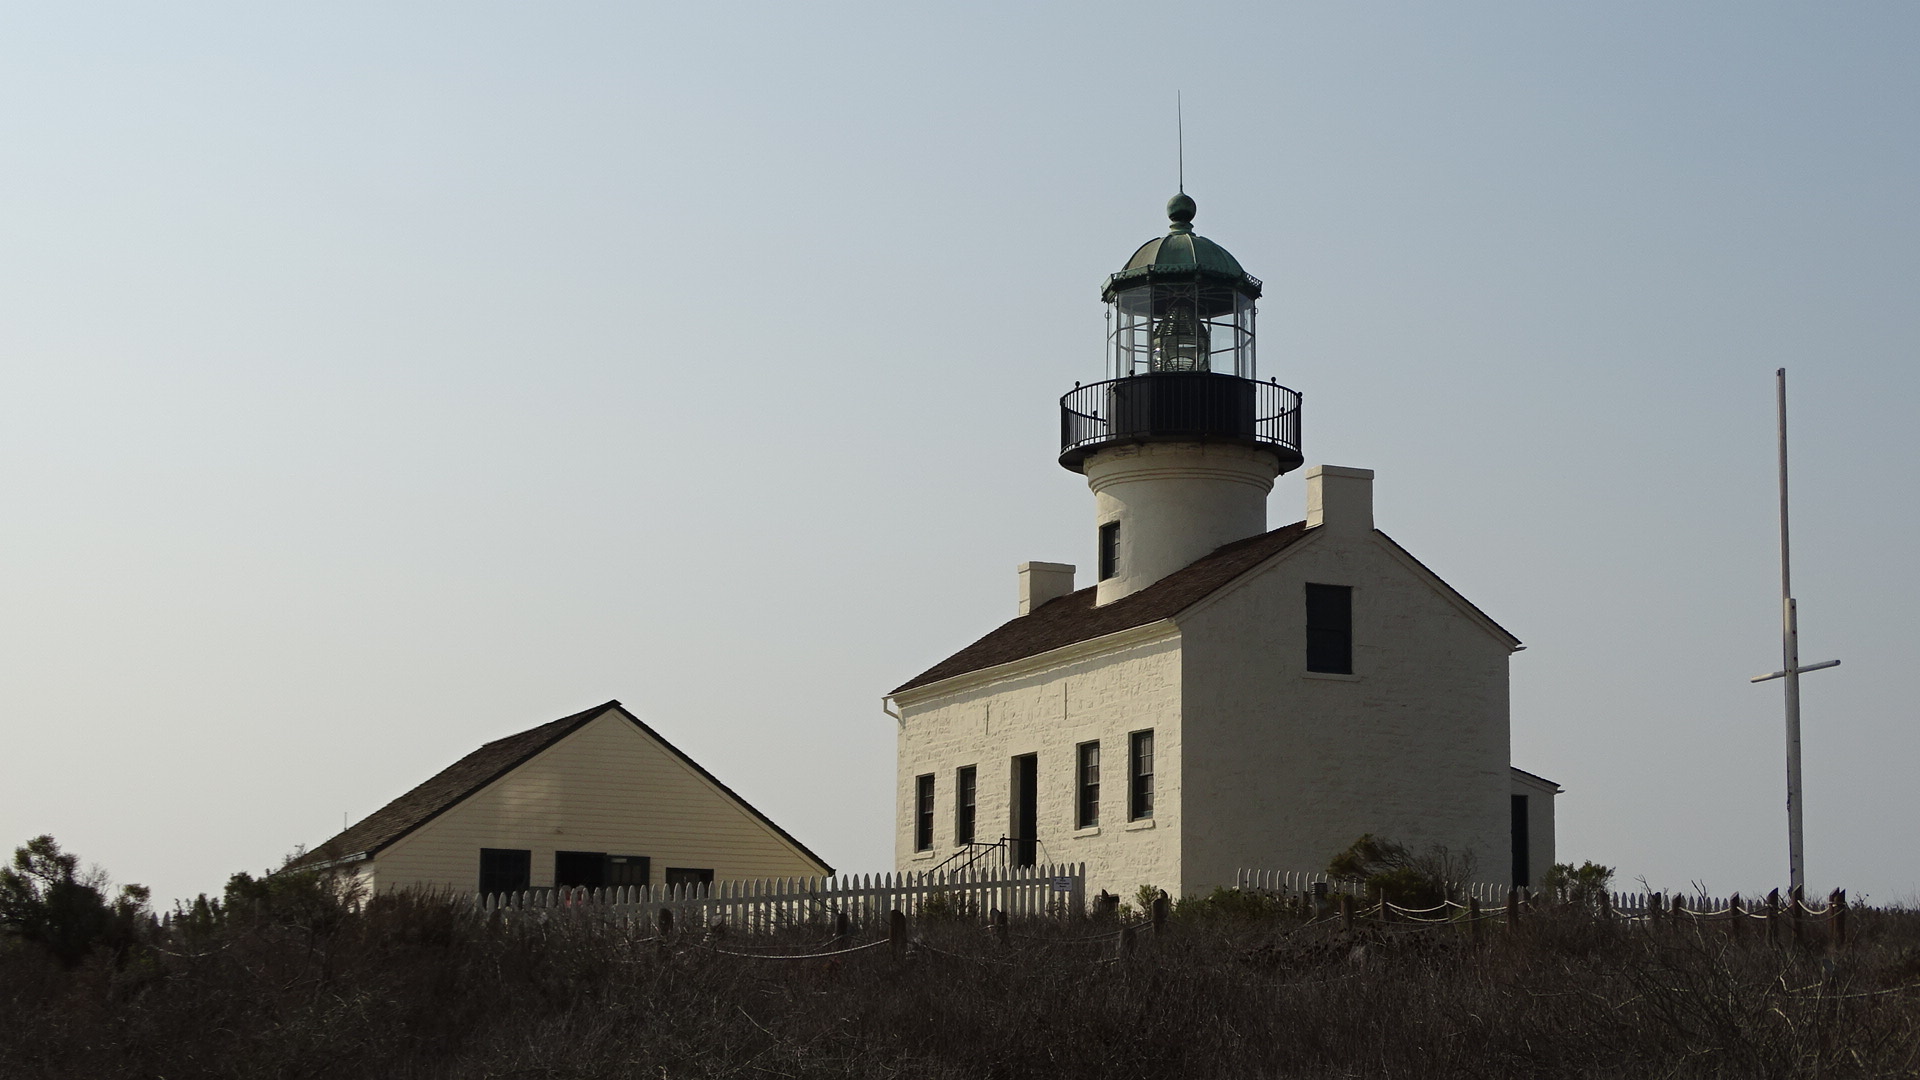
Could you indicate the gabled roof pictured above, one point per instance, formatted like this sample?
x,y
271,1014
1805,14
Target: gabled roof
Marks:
x,y
454,784
1073,618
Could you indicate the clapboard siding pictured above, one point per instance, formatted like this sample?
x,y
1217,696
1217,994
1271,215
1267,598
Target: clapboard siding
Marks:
x,y
608,786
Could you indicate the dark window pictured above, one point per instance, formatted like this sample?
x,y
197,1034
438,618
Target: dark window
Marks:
x,y
1109,550
1330,629
579,869
964,784
1087,775
1023,815
1522,872
624,871
1140,775
923,813
681,875
505,869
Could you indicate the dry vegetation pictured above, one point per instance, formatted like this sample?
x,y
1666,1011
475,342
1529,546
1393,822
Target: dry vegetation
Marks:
x,y
292,984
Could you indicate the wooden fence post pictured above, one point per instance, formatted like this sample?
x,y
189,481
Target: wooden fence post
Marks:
x,y
842,930
1606,906
1000,926
1160,906
897,932
1797,913
1773,917
1736,915
1678,907
1513,908
1126,942
1473,919
1837,900
1346,911
1656,907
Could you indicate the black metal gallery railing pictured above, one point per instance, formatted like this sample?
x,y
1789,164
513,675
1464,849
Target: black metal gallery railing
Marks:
x,y
1183,405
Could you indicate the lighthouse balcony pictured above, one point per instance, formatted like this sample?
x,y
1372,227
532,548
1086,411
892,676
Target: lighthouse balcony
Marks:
x,y
1187,406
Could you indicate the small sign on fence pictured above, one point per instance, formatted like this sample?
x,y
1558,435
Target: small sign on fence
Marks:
x,y
1063,884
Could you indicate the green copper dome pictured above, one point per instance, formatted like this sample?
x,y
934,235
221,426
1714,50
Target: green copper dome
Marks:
x,y
1182,255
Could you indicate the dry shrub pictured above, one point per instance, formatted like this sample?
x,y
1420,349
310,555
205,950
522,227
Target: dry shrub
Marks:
x,y
415,986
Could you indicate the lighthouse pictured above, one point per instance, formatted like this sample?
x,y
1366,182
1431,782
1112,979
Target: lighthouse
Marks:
x,y
1224,696
1181,443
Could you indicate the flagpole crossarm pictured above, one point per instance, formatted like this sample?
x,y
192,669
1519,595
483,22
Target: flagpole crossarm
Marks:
x,y
1801,670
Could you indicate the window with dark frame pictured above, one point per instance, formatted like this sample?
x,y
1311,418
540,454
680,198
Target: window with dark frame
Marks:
x,y
579,869
504,870
1140,775
923,814
1088,776
964,783
682,875
1330,629
1109,550
627,871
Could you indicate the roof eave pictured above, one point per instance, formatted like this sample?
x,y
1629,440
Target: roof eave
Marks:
x,y
1079,650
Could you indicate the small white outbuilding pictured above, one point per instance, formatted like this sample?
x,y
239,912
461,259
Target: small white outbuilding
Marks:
x,y
1223,696
596,799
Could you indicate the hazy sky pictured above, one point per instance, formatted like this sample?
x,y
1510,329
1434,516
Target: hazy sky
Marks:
x,y
380,379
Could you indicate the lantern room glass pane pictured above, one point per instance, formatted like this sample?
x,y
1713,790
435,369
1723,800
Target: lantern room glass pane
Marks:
x,y
1182,327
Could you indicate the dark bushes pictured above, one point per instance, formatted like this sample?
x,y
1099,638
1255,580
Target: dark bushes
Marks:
x,y
414,986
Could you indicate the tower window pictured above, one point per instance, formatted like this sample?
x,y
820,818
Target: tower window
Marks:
x,y
923,813
1139,775
964,784
1088,777
1330,629
1109,550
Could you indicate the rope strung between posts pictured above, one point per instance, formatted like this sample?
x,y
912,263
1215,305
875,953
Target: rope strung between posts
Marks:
x,y
796,956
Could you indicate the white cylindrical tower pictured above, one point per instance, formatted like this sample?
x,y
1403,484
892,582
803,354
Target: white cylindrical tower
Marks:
x,y
1182,443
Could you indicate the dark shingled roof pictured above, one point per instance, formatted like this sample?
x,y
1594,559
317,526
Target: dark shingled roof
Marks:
x,y
450,786
1073,618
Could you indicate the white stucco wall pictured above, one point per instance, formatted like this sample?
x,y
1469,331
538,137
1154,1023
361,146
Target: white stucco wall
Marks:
x,y
1175,502
988,718
1284,767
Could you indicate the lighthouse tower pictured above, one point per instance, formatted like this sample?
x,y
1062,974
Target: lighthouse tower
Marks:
x,y
1181,444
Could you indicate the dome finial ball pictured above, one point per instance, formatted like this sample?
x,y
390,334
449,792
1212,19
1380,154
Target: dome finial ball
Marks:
x,y
1180,208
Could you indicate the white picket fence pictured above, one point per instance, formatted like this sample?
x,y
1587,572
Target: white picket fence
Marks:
x,y
1302,883
766,905
1624,905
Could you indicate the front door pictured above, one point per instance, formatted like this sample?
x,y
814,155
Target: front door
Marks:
x,y
1023,825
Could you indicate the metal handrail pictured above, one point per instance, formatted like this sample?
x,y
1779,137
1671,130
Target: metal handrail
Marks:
x,y
1185,405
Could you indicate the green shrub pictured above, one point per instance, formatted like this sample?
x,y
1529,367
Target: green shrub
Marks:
x,y
45,899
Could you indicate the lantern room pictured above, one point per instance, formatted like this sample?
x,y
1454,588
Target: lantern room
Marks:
x,y
1182,303
1180,353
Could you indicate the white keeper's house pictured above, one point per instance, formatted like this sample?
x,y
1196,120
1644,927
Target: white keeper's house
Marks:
x,y
1223,695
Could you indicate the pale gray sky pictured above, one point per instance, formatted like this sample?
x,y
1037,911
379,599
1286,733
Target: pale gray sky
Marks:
x,y
380,379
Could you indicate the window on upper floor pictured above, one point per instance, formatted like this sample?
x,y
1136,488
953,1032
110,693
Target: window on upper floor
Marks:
x,y
1139,775
923,813
1330,629
1087,776
965,783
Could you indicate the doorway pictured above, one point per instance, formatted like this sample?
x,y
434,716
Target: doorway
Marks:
x,y
1023,825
